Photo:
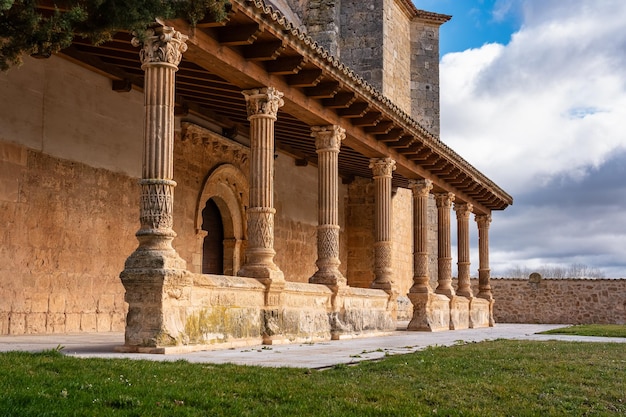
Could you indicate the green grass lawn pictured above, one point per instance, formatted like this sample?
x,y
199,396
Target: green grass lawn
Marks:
x,y
605,330
496,378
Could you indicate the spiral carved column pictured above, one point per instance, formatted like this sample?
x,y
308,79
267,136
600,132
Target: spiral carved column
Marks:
x,y
327,142
382,169
262,105
444,247
463,211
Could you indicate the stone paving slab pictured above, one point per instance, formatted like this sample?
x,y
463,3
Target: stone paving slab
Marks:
x,y
300,355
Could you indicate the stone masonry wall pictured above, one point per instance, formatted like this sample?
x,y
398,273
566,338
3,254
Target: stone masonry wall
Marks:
x,y
425,74
67,229
402,235
360,209
567,301
70,153
321,19
397,55
361,43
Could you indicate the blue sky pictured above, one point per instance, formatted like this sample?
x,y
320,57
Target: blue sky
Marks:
x,y
473,23
533,94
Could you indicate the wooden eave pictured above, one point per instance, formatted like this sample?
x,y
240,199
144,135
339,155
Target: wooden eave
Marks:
x,y
256,47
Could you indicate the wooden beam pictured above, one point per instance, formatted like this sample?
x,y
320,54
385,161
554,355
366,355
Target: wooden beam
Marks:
x,y
323,90
306,78
238,35
354,111
341,101
285,66
383,127
206,52
393,135
265,51
369,119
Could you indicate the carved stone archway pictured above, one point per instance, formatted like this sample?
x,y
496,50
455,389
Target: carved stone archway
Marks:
x,y
228,187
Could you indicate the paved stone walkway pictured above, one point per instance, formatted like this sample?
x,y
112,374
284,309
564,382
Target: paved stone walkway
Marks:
x,y
301,355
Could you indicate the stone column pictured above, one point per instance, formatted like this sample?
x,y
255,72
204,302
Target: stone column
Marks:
x,y
463,211
327,142
262,105
154,276
444,247
382,169
431,312
484,285
421,277
484,273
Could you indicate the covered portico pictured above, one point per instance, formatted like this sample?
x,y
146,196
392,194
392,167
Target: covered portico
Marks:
x,y
259,80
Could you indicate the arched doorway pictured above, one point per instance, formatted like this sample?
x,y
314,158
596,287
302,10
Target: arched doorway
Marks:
x,y
221,205
213,246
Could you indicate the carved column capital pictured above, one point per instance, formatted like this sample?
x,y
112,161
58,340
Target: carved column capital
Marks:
x,y
382,167
421,187
444,200
483,220
328,138
463,210
263,102
161,44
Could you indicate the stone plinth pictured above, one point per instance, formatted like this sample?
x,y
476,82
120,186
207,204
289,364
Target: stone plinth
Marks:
x,y
459,313
480,313
431,312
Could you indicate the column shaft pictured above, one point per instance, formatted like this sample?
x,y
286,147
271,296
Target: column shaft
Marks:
x,y
161,52
262,105
421,277
328,141
484,272
463,211
444,247
382,169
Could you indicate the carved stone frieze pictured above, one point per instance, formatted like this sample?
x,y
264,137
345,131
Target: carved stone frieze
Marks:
x,y
221,149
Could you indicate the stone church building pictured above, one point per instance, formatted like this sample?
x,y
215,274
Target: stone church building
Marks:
x,y
313,194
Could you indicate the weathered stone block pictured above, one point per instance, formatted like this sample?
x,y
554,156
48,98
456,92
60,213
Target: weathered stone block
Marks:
x,y
479,313
72,322
88,322
459,313
36,323
17,323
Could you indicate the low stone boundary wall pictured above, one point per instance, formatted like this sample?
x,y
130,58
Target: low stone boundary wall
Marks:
x,y
567,301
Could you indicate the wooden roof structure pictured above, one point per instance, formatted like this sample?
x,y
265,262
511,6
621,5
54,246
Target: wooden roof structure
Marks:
x,y
255,46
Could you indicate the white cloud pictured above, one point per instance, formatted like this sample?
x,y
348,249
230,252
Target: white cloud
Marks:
x,y
545,110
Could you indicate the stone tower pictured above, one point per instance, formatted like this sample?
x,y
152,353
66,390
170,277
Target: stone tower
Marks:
x,y
390,43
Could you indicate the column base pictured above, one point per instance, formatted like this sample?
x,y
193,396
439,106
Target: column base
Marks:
x,y
459,313
158,290
479,313
264,273
331,278
431,312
